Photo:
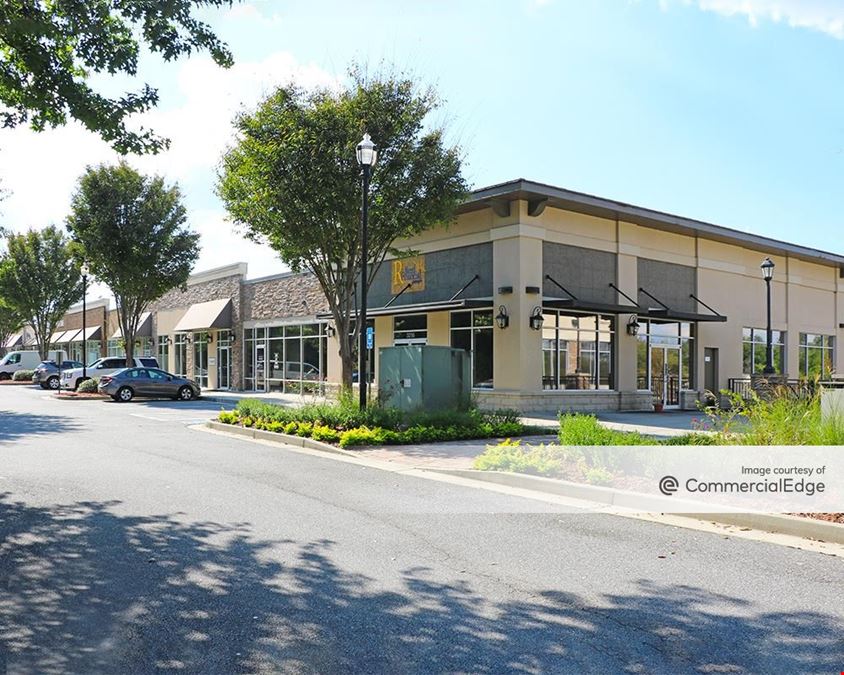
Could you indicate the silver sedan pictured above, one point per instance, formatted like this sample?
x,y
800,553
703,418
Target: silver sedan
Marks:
x,y
128,383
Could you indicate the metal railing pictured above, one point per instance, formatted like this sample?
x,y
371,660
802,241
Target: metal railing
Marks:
x,y
743,386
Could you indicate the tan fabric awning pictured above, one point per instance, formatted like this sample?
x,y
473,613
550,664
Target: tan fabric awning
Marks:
x,y
144,327
62,336
93,333
14,341
205,315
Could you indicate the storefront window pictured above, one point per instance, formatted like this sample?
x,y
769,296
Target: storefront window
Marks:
x,y
180,352
288,359
410,330
115,348
200,359
577,351
754,343
817,355
164,352
472,331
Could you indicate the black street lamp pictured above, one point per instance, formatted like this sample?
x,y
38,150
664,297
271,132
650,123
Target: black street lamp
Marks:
x,y
768,274
367,155
85,271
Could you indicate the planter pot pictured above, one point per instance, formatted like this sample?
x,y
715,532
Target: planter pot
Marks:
x,y
658,407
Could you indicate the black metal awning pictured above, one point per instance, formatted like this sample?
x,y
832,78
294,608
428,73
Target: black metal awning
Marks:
x,y
661,312
422,307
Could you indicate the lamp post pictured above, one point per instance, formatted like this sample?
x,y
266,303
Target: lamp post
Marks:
x,y
768,274
367,155
85,272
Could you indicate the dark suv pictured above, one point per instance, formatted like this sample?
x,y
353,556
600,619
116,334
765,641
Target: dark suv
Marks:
x,y
47,373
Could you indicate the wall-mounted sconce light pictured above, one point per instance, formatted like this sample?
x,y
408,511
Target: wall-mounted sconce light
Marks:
x,y
330,330
633,325
536,320
502,318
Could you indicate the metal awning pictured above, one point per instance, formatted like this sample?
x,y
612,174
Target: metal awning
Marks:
x,y
589,306
144,327
93,333
204,315
423,307
666,312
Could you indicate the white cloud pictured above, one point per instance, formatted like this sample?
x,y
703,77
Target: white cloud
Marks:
x,y
826,16
39,170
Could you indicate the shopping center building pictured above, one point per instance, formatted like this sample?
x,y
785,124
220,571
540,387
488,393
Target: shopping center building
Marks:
x,y
562,300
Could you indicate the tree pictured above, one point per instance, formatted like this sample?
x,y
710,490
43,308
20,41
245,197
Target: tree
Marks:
x,y
292,181
40,280
10,323
132,231
50,48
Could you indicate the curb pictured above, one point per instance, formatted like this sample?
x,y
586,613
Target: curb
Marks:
x,y
776,523
276,437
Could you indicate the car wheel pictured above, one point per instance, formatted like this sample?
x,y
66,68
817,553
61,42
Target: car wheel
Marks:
x,y
186,394
52,382
4,376
125,394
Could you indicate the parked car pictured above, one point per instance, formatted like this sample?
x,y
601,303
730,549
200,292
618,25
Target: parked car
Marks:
x,y
128,383
47,373
20,360
107,366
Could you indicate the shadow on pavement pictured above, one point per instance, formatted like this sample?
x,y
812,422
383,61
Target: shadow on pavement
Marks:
x,y
14,425
87,590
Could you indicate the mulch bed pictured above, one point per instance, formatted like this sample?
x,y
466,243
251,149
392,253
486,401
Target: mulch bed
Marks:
x,y
18,382
67,395
829,517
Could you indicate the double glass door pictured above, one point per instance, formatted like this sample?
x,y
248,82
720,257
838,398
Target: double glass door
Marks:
x,y
665,374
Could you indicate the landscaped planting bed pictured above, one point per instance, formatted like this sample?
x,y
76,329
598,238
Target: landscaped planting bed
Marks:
x,y
346,425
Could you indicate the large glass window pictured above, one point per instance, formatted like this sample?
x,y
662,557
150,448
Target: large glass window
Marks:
x,y
577,351
288,359
164,352
180,352
200,359
116,348
817,355
754,343
410,330
472,331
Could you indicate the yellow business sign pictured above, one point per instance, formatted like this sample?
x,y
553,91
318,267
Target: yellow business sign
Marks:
x,y
409,271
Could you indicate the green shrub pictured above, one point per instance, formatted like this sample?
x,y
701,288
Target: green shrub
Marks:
x,y
23,375
88,386
576,429
597,475
227,417
325,434
510,456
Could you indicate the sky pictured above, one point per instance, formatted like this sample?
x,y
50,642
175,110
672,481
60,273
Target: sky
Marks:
x,y
728,111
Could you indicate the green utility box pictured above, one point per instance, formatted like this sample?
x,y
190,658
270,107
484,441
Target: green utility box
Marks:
x,y
414,377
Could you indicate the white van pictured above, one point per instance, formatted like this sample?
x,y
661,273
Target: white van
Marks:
x,y
14,361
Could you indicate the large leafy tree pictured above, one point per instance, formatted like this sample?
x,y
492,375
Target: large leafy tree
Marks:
x,y
40,280
292,181
50,48
10,323
133,232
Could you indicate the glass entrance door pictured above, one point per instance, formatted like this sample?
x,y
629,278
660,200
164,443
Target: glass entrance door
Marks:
x,y
224,367
665,374
260,366
200,359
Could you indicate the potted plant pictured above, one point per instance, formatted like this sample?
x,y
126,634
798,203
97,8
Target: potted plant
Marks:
x,y
659,404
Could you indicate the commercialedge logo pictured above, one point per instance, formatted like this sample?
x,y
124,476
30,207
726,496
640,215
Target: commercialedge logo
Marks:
x,y
668,485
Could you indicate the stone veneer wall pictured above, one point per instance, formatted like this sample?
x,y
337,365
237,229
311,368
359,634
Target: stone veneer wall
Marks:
x,y
283,296
215,289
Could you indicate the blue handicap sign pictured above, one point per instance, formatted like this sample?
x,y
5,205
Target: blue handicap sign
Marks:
x,y
370,337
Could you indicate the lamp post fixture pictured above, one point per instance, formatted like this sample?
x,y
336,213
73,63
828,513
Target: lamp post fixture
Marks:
x,y
367,155
85,271
768,274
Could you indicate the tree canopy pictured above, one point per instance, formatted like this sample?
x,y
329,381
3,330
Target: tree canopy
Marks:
x,y
10,323
50,48
40,280
292,180
132,229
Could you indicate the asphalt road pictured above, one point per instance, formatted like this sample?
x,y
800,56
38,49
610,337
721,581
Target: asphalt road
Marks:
x,y
132,543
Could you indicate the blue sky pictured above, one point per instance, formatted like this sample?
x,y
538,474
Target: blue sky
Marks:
x,y
730,111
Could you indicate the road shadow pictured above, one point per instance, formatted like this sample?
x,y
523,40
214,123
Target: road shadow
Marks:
x,y
15,425
85,589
